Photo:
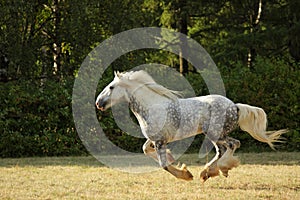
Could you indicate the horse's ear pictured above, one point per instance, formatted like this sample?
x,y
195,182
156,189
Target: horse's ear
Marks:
x,y
117,73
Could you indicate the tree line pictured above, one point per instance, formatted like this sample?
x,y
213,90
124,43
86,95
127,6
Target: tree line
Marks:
x,y
255,44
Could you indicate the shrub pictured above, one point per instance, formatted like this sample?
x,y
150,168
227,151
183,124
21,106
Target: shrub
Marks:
x,y
37,121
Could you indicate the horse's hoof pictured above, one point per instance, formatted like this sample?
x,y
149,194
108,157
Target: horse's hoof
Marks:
x,y
181,173
188,175
225,173
209,173
204,176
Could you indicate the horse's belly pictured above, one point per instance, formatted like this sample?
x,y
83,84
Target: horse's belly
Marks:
x,y
180,136
187,131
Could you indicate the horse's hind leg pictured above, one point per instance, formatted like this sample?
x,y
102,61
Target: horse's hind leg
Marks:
x,y
228,161
211,169
221,123
181,173
224,159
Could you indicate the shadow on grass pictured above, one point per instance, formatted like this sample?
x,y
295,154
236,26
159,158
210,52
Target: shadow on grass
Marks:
x,y
257,187
50,161
265,158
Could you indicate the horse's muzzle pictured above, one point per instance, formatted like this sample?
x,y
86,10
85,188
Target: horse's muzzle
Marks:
x,y
101,104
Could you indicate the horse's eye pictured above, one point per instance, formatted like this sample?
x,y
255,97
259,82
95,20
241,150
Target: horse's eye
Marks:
x,y
111,87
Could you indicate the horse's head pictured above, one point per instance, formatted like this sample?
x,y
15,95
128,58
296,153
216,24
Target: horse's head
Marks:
x,y
127,84
113,93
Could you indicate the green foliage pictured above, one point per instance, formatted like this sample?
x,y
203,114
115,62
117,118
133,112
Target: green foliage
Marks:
x,y
37,121
273,85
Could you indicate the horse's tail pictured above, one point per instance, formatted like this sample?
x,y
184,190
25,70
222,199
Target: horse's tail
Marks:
x,y
254,121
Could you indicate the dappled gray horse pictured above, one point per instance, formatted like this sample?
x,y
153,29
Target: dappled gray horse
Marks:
x,y
164,117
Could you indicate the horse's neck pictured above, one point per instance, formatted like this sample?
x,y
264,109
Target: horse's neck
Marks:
x,y
143,99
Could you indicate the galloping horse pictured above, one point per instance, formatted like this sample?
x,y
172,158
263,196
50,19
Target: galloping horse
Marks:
x,y
213,115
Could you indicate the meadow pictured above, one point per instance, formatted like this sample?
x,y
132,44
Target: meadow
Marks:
x,y
274,175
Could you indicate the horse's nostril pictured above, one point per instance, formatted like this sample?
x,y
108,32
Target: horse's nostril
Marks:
x,y
97,105
101,104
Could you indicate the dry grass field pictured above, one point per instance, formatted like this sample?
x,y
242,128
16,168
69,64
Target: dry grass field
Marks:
x,y
273,175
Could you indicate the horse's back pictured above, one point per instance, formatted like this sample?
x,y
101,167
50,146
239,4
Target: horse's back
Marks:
x,y
214,98
208,102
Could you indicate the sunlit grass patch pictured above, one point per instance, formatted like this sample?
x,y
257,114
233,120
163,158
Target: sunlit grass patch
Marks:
x,y
260,176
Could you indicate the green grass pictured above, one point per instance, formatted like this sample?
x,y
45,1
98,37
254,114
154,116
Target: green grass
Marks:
x,y
273,175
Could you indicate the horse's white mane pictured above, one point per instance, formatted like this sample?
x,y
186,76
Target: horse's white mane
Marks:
x,y
143,78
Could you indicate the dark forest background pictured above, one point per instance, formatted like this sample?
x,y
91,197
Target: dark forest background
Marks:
x,y
254,43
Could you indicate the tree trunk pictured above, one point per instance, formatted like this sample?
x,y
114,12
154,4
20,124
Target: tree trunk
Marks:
x,y
253,27
294,30
183,64
57,68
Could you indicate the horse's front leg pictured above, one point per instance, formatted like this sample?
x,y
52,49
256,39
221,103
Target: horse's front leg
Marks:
x,y
150,151
182,173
